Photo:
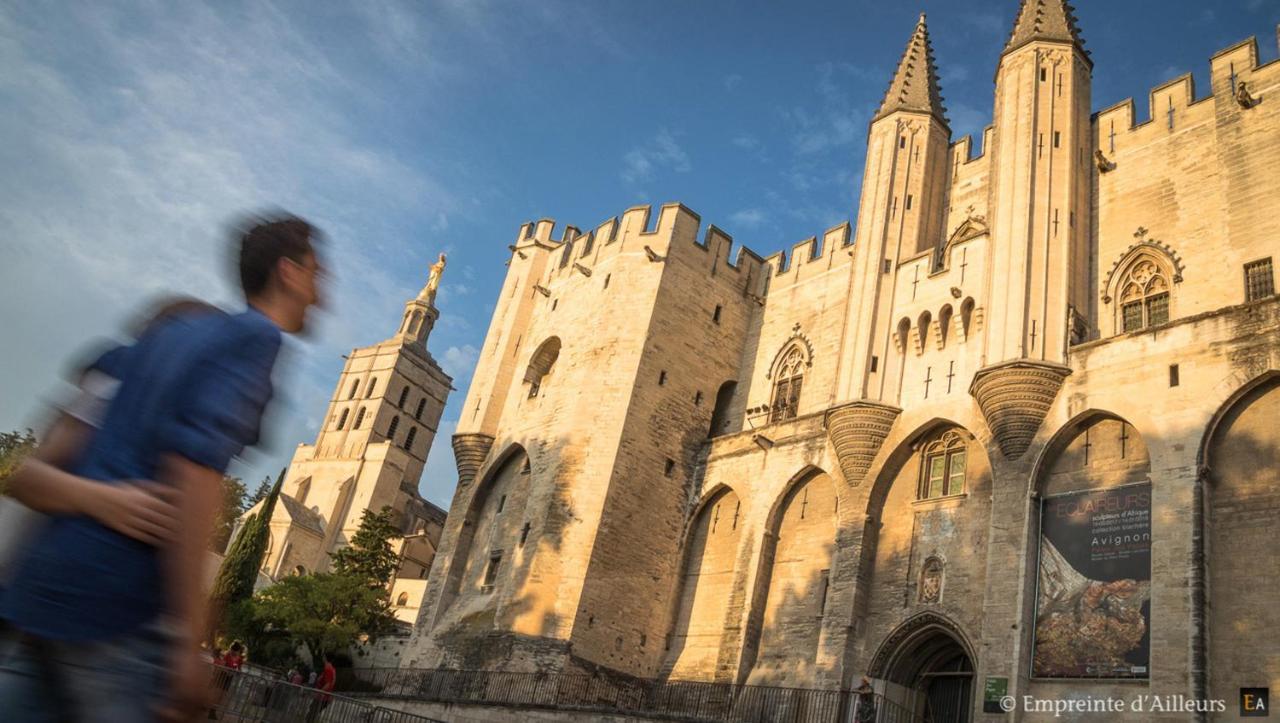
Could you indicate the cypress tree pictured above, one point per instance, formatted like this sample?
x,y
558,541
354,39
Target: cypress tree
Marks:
x,y
239,570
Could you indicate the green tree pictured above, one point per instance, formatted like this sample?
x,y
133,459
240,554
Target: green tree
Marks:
x,y
14,447
259,494
240,567
233,505
326,612
370,556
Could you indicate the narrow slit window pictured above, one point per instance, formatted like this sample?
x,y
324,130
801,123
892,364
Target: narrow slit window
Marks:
x,y
1173,375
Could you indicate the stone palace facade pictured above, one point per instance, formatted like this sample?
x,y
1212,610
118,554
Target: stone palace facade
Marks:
x,y
1014,429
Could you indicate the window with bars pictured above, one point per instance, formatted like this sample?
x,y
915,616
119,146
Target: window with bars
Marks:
x,y
408,439
391,429
1259,282
943,471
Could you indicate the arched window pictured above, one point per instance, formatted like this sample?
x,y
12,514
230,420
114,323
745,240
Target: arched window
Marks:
x,y
299,570
373,385
359,419
342,419
304,489
1144,296
944,324
966,316
404,397
417,413
355,384
922,328
788,378
408,439
904,334
391,430
540,364
402,600
942,468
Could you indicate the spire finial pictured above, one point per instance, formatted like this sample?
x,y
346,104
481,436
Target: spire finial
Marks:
x,y
1045,20
915,83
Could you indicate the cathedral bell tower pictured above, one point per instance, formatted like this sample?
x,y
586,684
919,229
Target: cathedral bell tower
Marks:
x,y
391,393
1038,273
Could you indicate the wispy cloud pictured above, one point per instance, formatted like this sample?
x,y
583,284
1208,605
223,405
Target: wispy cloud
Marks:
x,y
661,153
459,361
732,81
748,218
147,135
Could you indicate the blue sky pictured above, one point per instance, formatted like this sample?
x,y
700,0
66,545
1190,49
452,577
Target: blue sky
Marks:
x,y
133,132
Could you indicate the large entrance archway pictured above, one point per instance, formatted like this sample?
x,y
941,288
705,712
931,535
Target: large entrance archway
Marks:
x,y
926,668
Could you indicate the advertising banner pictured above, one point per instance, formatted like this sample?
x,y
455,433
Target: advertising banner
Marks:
x,y
1093,608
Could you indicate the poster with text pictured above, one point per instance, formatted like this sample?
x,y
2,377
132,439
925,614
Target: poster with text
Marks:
x,y
1093,607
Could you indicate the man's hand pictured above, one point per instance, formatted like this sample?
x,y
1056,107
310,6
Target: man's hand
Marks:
x,y
145,511
191,687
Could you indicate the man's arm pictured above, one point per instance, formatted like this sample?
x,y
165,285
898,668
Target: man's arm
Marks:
x,y
140,510
198,492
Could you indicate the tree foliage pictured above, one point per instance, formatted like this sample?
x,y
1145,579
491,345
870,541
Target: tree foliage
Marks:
x,y
14,447
240,567
370,556
233,505
326,612
259,494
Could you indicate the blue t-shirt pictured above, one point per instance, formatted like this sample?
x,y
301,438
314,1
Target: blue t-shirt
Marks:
x,y
196,386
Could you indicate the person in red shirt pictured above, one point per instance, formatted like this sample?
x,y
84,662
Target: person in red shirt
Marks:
x,y
325,683
234,659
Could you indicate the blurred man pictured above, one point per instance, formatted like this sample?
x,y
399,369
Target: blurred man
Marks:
x,y
107,626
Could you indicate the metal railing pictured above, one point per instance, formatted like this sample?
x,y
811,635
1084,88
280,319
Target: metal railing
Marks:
x,y
676,700
243,696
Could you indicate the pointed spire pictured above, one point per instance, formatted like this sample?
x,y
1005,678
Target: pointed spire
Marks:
x,y
1045,20
915,84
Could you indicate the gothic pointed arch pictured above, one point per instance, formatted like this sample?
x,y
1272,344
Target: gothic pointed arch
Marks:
x,y
793,579
1139,287
1240,481
787,373
898,653
541,363
491,532
706,587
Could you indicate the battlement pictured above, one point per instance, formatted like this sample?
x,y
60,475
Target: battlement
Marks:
x,y
811,256
674,228
962,148
1173,105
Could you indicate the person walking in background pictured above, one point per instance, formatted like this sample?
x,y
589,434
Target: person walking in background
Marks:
x,y
107,624
324,685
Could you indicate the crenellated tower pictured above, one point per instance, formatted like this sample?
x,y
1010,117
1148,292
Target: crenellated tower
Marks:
x,y
900,215
1039,195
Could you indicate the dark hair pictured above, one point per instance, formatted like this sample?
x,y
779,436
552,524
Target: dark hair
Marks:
x,y
267,239
236,647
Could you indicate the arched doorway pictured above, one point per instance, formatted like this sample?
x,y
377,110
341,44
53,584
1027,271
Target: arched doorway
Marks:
x,y
925,668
